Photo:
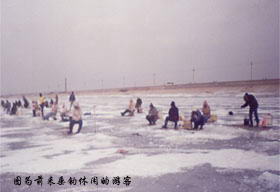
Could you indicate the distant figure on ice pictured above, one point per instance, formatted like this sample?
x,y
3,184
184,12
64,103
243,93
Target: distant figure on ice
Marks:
x,y
56,99
35,108
197,119
18,103
14,108
152,117
138,105
173,115
64,113
72,99
206,111
52,113
3,104
42,103
130,110
8,107
253,105
76,118
51,102
25,102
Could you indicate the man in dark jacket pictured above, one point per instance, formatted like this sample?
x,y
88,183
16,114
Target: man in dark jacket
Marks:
x,y
72,99
173,115
253,104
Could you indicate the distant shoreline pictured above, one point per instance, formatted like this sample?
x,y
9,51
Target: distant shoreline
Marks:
x,y
269,85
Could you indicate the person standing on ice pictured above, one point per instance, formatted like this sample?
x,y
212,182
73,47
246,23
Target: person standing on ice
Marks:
x,y
173,115
152,117
42,102
130,110
253,105
76,118
72,99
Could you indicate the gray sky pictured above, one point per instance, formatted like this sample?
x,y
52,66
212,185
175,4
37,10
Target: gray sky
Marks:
x,y
117,41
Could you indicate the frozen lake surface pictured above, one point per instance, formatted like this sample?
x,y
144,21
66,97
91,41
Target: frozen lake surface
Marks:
x,y
221,157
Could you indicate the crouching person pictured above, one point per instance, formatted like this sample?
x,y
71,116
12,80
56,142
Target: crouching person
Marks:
x,y
130,110
173,115
76,118
152,117
64,113
197,119
52,113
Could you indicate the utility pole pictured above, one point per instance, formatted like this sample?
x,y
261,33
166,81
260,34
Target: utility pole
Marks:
x,y
102,84
193,70
65,83
154,79
123,81
251,70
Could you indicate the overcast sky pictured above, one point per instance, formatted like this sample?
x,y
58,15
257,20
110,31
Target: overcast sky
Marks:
x,y
125,42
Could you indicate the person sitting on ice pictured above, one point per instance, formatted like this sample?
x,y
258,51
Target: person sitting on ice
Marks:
x,y
138,105
152,117
197,119
130,110
52,113
206,111
253,104
173,115
76,118
64,113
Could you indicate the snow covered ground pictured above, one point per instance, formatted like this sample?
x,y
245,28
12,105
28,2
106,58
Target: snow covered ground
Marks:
x,y
221,157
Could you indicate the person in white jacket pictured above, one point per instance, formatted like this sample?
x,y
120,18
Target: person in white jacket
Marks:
x,y
131,108
76,118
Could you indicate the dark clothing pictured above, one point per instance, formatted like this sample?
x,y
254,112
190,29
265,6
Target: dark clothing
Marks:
x,y
253,104
72,98
169,119
34,112
173,116
25,103
131,113
42,109
251,101
14,109
255,112
56,99
72,123
138,105
198,119
173,113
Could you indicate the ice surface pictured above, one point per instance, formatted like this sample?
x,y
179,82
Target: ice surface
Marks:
x,y
31,145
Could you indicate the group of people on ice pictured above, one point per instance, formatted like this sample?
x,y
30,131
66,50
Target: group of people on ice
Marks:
x,y
12,108
197,118
74,116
